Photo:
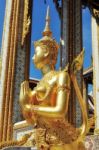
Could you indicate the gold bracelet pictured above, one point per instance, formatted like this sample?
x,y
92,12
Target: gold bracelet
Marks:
x,y
63,87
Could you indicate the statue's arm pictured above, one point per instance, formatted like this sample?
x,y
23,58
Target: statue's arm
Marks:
x,y
61,101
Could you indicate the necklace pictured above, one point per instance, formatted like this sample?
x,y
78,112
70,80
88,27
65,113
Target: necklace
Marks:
x,y
46,85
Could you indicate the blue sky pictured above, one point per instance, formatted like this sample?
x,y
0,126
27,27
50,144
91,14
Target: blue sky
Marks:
x,y
2,12
39,13
87,37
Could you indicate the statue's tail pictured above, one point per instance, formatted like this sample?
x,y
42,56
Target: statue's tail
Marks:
x,y
84,128
76,66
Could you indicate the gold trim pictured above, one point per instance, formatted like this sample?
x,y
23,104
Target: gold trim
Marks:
x,y
9,76
5,82
10,125
6,126
27,44
7,108
26,21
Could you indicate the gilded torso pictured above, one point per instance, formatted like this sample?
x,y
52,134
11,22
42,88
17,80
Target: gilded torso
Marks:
x,y
47,88
58,128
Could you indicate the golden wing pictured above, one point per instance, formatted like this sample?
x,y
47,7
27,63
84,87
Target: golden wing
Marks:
x,y
77,63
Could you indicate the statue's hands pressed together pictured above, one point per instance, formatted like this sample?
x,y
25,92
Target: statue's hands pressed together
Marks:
x,y
27,98
24,92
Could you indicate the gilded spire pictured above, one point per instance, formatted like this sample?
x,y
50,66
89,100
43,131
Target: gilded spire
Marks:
x,y
47,31
47,42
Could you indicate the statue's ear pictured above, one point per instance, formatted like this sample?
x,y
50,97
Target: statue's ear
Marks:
x,y
46,53
77,62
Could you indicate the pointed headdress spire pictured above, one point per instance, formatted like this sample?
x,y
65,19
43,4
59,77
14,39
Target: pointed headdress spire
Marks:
x,y
47,41
47,31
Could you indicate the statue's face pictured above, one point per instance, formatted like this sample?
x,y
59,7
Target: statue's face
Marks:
x,y
39,57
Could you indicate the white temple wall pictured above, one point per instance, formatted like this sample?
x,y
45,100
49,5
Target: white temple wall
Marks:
x,y
95,48
4,47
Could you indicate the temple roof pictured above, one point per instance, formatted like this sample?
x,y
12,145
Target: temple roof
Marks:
x,y
88,75
91,3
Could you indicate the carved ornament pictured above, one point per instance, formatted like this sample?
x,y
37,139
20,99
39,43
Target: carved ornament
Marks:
x,y
26,21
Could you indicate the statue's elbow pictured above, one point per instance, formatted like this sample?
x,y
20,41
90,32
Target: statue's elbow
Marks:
x,y
60,112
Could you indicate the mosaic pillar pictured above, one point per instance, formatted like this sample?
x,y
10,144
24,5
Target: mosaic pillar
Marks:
x,y
95,48
71,47
22,61
64,33
77,50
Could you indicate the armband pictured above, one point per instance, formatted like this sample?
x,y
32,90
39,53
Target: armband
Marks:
x,y
63,87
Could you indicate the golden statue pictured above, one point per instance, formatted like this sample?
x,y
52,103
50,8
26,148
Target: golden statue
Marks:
x,y
46,105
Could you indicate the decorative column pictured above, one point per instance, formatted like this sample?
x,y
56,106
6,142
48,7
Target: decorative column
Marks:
x,y
4,57
15,64
71,47
95,48
22,55
7,98
64,33
77,49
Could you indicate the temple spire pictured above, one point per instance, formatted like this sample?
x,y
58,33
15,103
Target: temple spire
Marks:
x,y
47,31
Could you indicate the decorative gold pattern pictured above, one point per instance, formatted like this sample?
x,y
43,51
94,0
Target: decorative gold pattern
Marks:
x,y
26,21
77,63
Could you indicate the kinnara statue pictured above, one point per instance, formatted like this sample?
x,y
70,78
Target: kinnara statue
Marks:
x,y
47,104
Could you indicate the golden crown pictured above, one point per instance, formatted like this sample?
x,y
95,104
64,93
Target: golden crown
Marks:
x,y
47,39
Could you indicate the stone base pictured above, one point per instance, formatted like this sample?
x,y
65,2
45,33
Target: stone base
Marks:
x,y
91,143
